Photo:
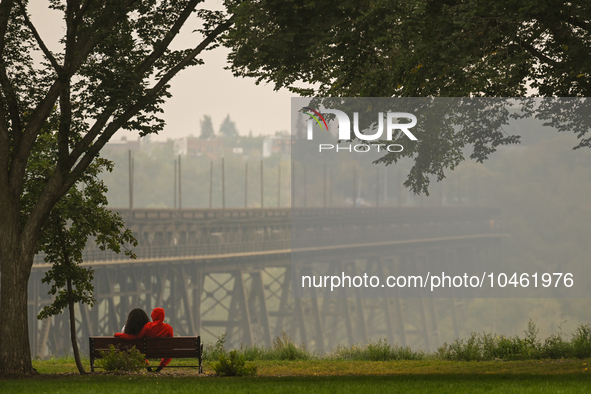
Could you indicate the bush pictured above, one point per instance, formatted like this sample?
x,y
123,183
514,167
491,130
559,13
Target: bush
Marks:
x,y
212,352
233,365
481,347
284,349
114,360
377,351
581,342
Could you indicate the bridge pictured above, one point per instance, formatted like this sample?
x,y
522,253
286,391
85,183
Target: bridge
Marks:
x,y
219,271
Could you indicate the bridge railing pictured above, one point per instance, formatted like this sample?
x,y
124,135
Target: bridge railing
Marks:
x,y
163,252
282,229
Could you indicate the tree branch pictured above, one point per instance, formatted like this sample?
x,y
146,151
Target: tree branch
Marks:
x,y
11,103
94,131
44,108
71,29
539,55
81,11
40,42
96,33
160,48
22,150
59,183
63,135
5,10
151,95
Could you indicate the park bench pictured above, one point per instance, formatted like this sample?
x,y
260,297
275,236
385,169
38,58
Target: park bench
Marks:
x,y
175,347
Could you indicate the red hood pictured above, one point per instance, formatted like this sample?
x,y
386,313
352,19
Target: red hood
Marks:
x,y
158,315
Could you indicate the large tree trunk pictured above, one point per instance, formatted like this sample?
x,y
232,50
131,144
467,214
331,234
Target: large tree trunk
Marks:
x,y
16,259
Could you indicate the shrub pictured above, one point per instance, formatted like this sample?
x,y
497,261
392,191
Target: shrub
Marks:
x,y
581,342
114,360
233,365
377,351
556,347
284,349
479,347
212,352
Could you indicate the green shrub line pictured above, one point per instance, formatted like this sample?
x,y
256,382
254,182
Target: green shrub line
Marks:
x,y
477,347
487,347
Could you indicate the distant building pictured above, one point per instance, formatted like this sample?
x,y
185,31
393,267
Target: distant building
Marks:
x,y
276,144
213,148
181,146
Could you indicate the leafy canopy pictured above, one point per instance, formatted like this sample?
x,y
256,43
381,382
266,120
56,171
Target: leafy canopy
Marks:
x,y
421,48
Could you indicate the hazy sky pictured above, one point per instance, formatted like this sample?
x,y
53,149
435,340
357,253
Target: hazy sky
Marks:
x,y
200,90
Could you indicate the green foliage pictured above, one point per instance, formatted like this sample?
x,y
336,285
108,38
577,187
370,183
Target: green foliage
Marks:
x,y
284,349
484,347
233,364
212,352
114,360
376,351
423,48
417,48
110,71
581,341
81,214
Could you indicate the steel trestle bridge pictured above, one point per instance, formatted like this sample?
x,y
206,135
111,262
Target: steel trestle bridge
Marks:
x,y
228,271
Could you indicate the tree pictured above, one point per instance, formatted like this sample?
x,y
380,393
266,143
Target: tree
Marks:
x,y
228,128
112,73
206,128
80,214
422,48
419,48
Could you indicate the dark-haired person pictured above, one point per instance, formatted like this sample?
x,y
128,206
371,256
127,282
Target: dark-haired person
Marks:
x,y
136,320
154,329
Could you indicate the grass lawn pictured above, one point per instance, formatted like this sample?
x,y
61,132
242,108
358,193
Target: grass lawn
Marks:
x,y
322,376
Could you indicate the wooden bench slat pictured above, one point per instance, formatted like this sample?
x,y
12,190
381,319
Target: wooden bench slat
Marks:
x,y
171,354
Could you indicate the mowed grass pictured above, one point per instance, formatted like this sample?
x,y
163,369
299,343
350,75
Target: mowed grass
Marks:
x,y
515,383
324,376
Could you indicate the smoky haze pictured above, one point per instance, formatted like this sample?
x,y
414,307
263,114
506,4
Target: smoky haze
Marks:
x,y
534,196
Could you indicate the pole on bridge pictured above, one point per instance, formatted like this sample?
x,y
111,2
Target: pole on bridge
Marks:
x,y
305,189
180,197
293,202
324,187
130,168
279,186
354,185
262,195
377,186
330,190
223,186
385,186
245,185
210,183
174,187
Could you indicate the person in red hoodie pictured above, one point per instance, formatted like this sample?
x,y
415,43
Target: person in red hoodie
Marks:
x,y
154,329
